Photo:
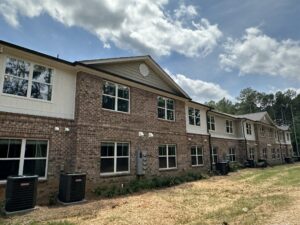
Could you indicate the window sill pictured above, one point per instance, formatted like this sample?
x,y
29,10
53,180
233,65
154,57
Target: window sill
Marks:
x,y
106,175
165,120
111,110
27,98
200,165
168,169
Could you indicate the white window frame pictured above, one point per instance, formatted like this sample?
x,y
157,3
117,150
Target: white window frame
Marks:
x,y
194,117
115,157
165,108
248,129
265,153
214,152
287,136
116,97
251,153
262,131
232,154
273,153
229,126
29,79
271,132
211,122
197,155
22,156
167,156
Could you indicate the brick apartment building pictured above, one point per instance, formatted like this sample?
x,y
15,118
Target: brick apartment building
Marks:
x,y
92,116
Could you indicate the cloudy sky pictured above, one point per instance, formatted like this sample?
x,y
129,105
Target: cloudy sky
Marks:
x,y
211,48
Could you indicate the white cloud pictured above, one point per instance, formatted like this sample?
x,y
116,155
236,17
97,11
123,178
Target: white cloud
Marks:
x,y
274,90
199,90
185,11
257,53
143,26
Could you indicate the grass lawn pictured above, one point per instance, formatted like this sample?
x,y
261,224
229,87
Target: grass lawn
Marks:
x,y
250,196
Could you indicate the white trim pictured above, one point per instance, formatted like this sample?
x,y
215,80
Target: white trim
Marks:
x,y
167,156
115,157
197,155
22,157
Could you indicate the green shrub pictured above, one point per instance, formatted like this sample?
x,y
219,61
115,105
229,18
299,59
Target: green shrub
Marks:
x,y
137,185
234,166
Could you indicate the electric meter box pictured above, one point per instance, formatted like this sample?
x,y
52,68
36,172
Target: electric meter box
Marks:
x,y
141,162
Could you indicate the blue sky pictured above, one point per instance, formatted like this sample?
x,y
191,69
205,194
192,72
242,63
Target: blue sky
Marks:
x,y
211,48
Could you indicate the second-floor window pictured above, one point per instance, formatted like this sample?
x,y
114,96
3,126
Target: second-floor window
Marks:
x,y
211,122
165,108
262,131
115,97
287,136
26,80
194,116
229,128
248,128
270,132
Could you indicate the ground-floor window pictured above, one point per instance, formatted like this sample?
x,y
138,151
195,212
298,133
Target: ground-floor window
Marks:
x,y
23,157
197,155
251,153
265,154
273,153
278,154
214,155
167,156
232,156
114,158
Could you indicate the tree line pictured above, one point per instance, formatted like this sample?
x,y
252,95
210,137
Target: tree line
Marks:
x,y
283,107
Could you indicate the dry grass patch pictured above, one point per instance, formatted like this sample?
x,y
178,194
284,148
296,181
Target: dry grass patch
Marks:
x,y
252,196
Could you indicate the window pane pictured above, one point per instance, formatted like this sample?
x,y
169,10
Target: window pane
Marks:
x,y
171,150
4,148
14,148
41,148
170,115
191,112
123,105
200,160
42,74
123,92
15,86
122,164
35,167
41,91
107,149
108,102
199,150
172,162
109,88
122,149
191,120
197,112
194,160
161,102
8,168
17,68
162,150
107,165
162,162
161,113
30,149
170,104
213,126
193,150
197,121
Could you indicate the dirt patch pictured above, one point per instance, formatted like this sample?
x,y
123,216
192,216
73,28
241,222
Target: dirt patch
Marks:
x,y
236,199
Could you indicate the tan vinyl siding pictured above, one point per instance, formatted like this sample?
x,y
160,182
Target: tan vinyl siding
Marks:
x,y
131,71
